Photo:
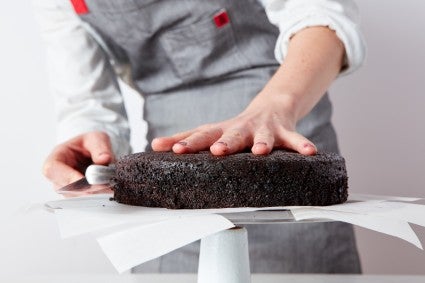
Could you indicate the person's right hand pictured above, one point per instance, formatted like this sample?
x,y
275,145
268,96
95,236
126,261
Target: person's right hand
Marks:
x,y
69,160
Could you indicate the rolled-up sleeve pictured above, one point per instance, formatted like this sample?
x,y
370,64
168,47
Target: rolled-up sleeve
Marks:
x,y
342,16
84,86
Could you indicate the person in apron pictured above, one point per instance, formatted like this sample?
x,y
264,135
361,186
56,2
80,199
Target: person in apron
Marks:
x,y
207,72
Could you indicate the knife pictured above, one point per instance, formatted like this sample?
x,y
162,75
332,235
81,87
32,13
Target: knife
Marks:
x,y
96,181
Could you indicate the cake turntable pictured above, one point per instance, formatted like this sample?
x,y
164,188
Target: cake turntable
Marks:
x,y
223,256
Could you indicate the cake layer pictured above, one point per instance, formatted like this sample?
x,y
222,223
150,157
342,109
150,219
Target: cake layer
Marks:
x,y
282,178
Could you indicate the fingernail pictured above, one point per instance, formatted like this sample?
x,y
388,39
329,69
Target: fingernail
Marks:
x,y
223,143
182,143
103,154
262,143
307,145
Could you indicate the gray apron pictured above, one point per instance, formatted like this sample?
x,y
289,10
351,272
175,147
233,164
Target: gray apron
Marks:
x,y
203,61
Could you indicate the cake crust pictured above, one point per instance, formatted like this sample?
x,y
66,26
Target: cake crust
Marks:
x,y
201,180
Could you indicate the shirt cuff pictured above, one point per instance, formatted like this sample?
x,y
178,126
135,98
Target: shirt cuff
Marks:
x,y
347,31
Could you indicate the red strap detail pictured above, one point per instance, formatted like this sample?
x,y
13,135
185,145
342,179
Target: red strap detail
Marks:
x,y
80,6
221,19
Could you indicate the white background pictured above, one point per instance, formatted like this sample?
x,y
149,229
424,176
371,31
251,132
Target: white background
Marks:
x,y
379,115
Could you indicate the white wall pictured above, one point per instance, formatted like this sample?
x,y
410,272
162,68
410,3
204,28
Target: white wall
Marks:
x,y
30,243
378,112
379,115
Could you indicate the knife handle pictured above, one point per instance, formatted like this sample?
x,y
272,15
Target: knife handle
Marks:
x,y
99,174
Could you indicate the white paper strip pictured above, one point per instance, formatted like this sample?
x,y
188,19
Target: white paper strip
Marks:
x,y
100,200
78,216
74,222
367,197
131,247
412,213
393,227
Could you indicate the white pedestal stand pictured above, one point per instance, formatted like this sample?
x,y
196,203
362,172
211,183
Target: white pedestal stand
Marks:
x,y
224,257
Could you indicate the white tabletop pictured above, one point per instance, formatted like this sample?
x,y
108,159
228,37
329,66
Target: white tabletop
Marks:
x,y
191,278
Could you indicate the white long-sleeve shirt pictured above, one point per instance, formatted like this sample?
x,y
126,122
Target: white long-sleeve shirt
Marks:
x,y
85,88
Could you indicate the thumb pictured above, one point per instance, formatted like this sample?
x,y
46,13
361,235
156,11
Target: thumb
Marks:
x,y
99,146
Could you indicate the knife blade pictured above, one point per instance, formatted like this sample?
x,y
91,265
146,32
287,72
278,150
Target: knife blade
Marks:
x,y
82,187
76,186
96,181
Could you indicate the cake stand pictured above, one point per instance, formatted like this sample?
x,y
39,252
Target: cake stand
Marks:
x,y
224,256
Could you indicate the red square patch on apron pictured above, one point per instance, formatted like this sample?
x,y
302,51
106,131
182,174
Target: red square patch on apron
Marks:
x,y
221,18
80,6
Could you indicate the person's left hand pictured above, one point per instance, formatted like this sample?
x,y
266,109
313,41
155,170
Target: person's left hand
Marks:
x,y
267,123
269,120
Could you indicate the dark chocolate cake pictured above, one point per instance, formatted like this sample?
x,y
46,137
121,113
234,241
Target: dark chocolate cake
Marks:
x,y
282,178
